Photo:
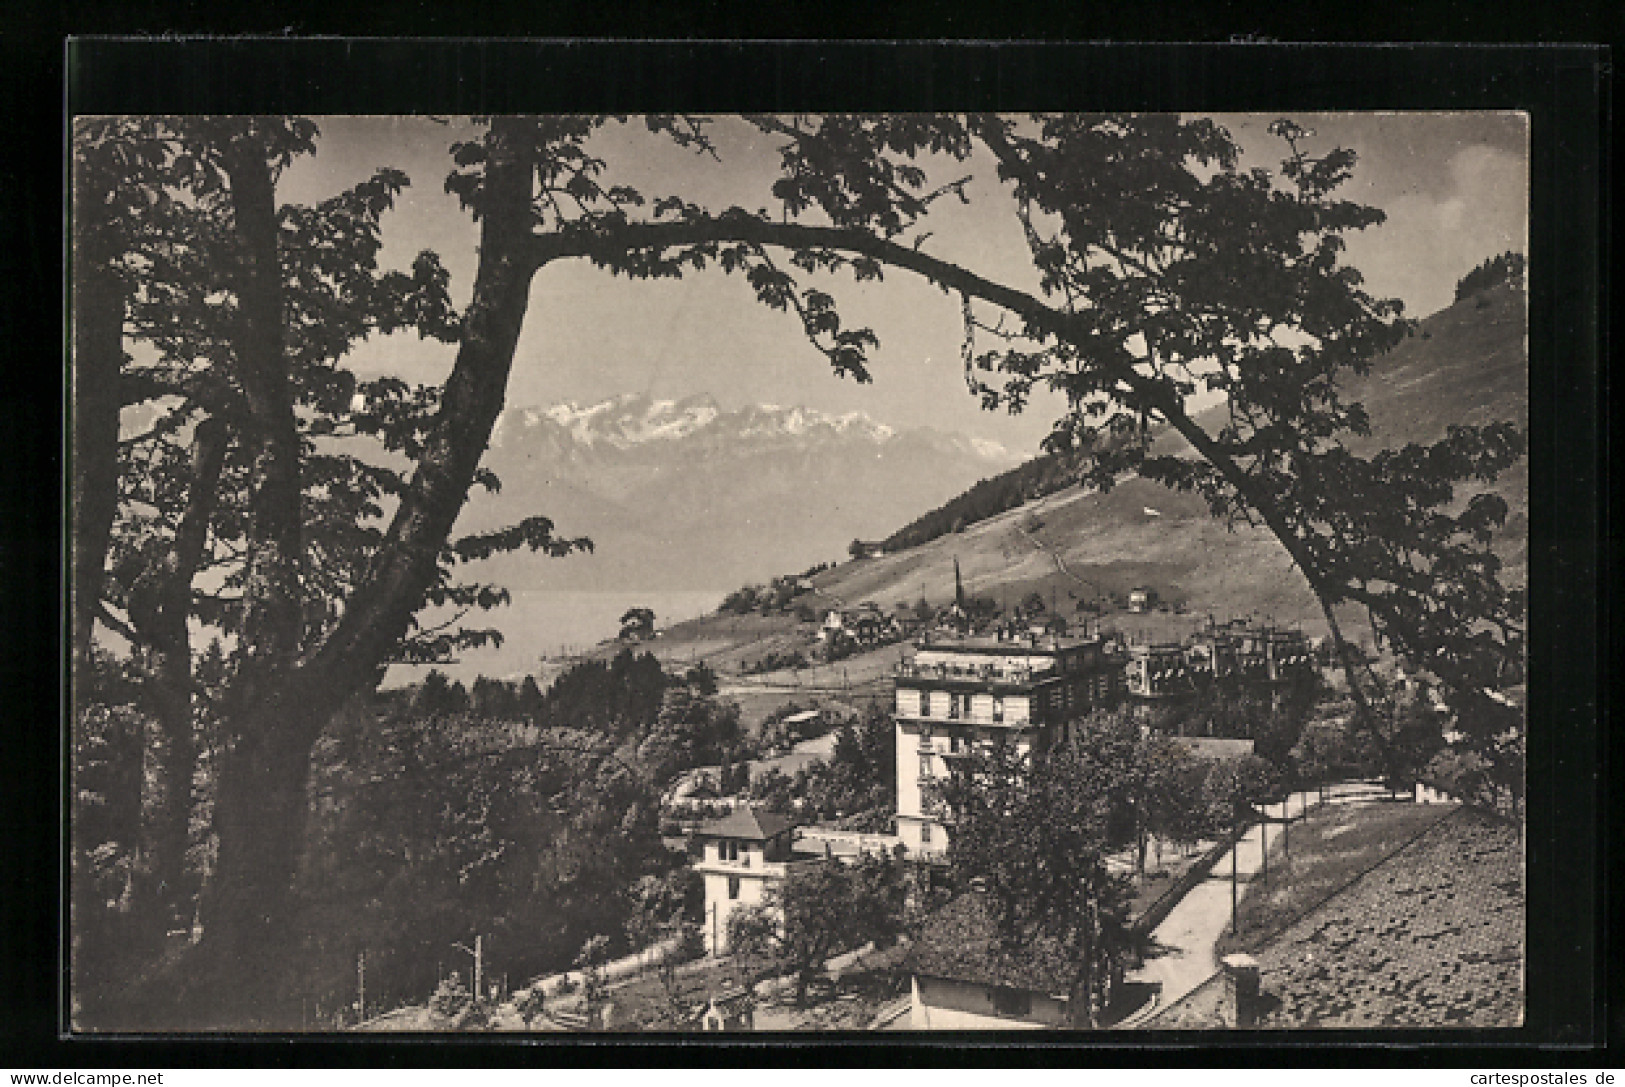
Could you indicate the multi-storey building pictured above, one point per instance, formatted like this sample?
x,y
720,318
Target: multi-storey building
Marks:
x,y
1266,658
957,694
1158,673
744,854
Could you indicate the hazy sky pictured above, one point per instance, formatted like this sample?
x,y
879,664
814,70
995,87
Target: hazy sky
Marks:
x,y
1454,187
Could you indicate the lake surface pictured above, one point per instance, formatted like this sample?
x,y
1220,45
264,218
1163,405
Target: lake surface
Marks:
x,y
550,623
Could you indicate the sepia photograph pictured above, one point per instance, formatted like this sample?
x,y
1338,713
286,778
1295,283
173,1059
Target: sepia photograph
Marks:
x,y
880,572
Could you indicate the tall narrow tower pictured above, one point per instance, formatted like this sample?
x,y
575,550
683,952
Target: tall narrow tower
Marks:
x,y
959,586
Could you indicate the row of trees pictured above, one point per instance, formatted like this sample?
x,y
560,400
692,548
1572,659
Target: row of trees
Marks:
x,y
248,505
1043,475
857,784
1506,268
619,697
1034,830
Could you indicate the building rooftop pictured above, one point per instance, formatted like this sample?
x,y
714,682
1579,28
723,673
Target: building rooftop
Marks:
x,y
989,644
1431,937
961,942
1148,649
748,824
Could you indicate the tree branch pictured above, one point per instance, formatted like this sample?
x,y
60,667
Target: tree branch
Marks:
x,y
1041,318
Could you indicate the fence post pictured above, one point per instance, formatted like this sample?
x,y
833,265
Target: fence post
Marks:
x,y
1264,845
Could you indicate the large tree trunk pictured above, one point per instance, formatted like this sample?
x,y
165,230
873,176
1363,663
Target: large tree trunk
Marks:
x,y
260,788
170,691
260,810
98,356
279,706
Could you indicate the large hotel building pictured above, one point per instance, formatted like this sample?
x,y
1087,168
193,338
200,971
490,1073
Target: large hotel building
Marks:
x,y
1027,688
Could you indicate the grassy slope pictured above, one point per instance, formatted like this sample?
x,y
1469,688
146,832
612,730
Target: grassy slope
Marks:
x,y
1322,854
1466,364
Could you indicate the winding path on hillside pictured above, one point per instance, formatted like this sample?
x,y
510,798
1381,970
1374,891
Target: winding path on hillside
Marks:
x,y
1055,556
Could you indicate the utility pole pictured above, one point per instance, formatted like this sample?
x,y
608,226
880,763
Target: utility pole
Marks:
x,y
478,954
361,987
1235,851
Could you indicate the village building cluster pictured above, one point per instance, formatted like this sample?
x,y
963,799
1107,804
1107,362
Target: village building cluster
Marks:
x,y
1024,683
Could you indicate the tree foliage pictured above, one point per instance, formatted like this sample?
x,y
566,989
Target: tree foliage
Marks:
x,y
857,784
1045,474
1506,268
690,731
618,698
1034,833
428,829
268,499
637,624
819,910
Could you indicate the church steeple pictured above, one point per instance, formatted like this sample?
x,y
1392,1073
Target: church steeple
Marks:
x,y
959,586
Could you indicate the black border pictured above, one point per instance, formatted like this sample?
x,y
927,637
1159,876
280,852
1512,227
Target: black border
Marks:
x,y
1563,88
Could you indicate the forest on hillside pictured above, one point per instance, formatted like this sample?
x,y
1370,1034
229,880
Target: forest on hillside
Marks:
x,y
1043,475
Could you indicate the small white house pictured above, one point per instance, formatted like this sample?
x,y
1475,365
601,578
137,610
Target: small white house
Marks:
x,y
744,853
964,979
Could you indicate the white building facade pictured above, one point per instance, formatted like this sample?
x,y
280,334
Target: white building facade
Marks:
x,y
953,696
743,855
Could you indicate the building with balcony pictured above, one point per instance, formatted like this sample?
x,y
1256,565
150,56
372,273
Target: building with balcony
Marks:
x,y
1265,658
956,694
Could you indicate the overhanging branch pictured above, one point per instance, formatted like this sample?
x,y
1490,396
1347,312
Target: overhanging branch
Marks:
x,y
611,244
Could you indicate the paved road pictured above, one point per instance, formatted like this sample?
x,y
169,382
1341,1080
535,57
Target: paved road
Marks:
x,y
1184,942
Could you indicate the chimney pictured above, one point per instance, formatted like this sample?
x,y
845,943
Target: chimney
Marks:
x,y
1241,991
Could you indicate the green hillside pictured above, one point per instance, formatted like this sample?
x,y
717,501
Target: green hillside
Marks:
x,y
1465,364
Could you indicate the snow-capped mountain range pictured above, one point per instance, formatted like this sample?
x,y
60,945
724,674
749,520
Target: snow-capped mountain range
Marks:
x,y
682,494
633,419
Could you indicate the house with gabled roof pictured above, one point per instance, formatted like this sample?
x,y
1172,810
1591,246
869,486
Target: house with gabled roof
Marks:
x,y
965,978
